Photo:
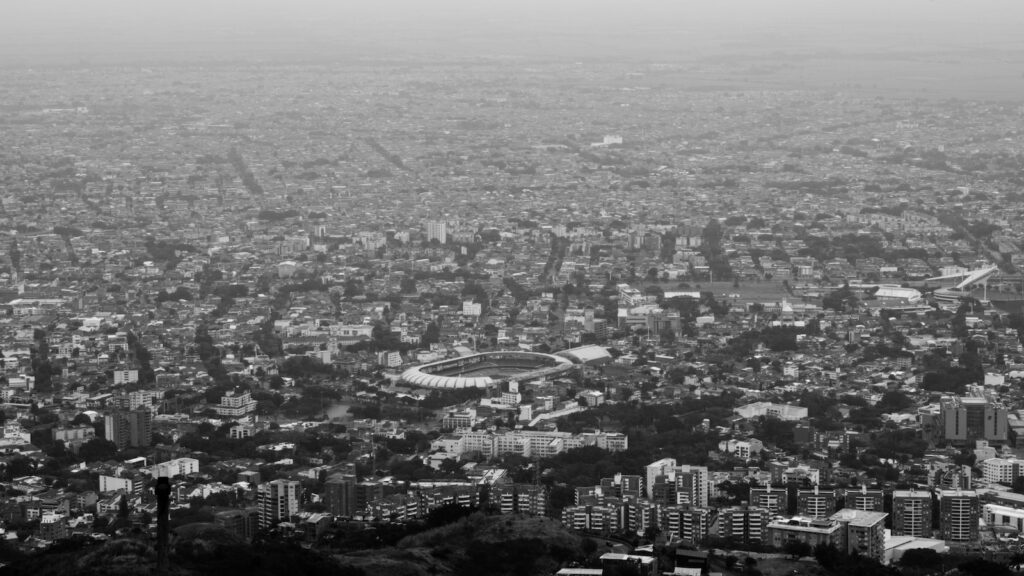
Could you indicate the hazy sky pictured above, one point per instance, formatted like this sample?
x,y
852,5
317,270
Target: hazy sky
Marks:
x,y
100,30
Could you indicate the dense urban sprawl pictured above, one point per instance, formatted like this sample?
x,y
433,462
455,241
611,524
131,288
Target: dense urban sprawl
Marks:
x,y
340,305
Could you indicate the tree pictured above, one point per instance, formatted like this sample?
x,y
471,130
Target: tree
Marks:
x,y
431,335
827,555
780,338
450,466
797,548
894,401
733,493
711,235
840,300
920,560
19,466
97,449
81,419
982,567
57,450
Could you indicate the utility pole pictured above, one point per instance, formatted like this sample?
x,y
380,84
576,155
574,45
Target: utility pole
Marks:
x,y
163,507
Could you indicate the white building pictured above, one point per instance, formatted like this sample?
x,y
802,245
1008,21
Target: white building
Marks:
x,y
140,398
22,382
526,443
996,515
125,377
14,434
745,449
437,230
353,331
691,485
654,469
114,483
241,431
176,467
91,324
780,411
70,434
389,358
236,405
277,501
470,308
1002,470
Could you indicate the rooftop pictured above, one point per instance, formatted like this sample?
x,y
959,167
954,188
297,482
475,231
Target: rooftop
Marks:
x,y
862,518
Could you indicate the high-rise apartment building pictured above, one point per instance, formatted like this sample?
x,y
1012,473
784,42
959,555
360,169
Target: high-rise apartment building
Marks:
x,y
592,518
863,532
692,485
965,419
368,491
237,406
912,513
774,500
816,503
743,523
129,428
437,230
241,523
277,501
686,523
631,486
340,495
519,498
624,486
654,469
862,498
959,512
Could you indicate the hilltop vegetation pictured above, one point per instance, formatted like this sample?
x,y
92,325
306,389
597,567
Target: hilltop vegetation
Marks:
x,y
196,549
510,545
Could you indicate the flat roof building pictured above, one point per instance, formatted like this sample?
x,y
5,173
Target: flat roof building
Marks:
x,y
812,531
863,532
959,512
912,513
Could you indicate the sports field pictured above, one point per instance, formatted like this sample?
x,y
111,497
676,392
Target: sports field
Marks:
x,y
492,369
766,291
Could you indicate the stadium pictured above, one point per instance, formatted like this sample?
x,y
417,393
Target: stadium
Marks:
x,y
486,369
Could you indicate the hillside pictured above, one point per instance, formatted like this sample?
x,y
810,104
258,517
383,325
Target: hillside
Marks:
x,y
196,549
476,544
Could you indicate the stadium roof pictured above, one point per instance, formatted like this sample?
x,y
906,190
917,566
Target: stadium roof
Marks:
x,y
422,376
970,278
587,354
909,294
417,378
